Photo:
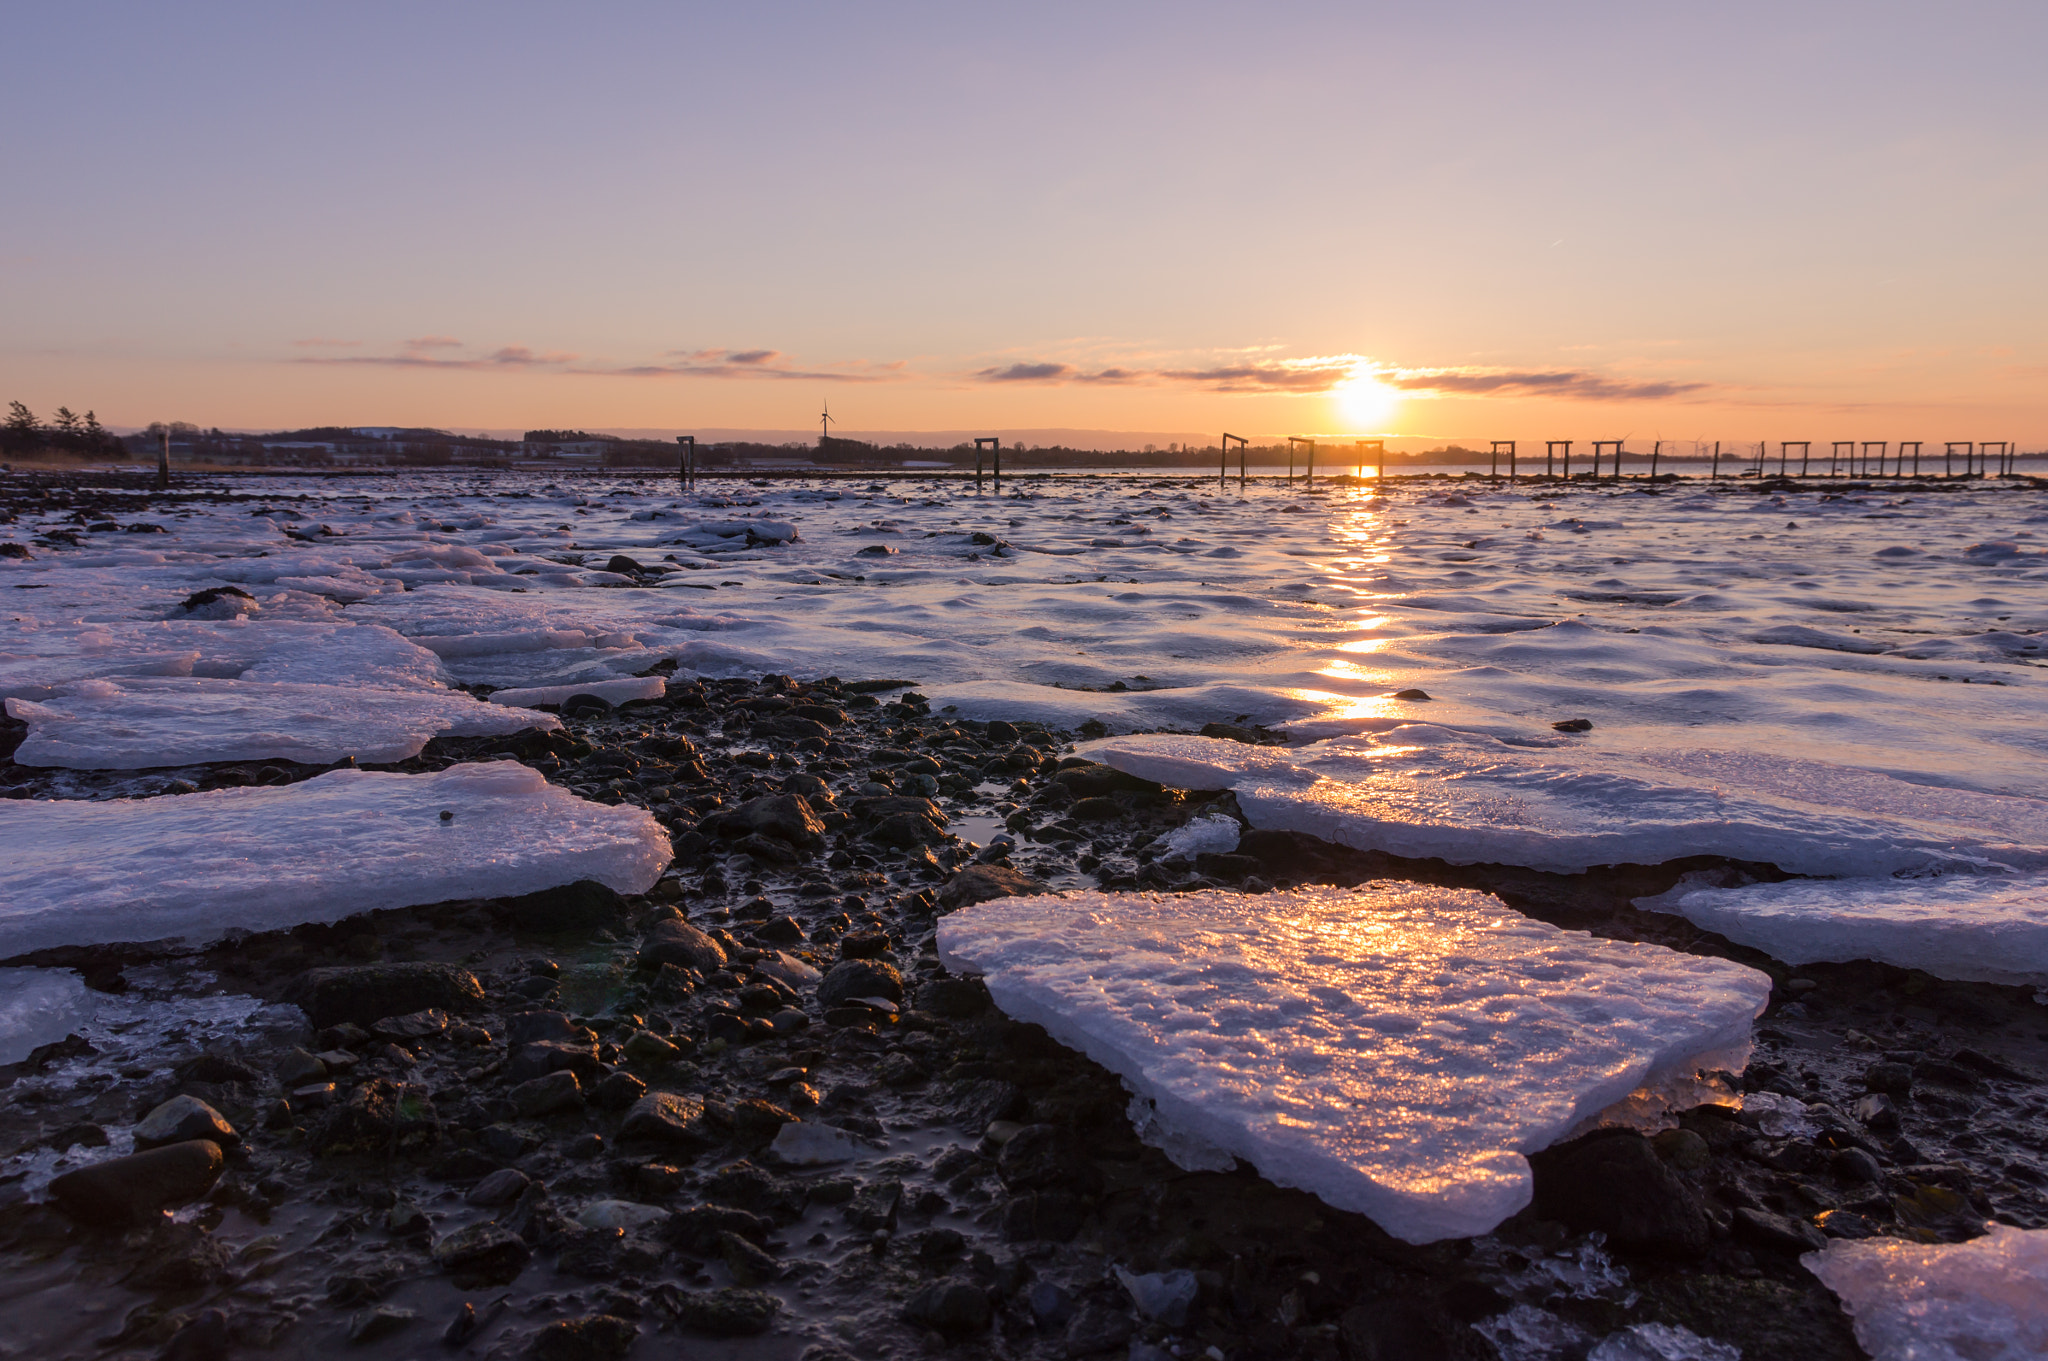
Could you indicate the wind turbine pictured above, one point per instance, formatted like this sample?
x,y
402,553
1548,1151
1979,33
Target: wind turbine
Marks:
x,y
825,424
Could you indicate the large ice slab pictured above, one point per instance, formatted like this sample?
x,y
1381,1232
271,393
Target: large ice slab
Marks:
x,y
1984,1300
611,691
1426,791
140,723
75,872
1395,1050
38,1007
1979,928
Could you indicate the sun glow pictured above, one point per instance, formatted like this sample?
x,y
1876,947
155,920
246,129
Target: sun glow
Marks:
x,y
1367,403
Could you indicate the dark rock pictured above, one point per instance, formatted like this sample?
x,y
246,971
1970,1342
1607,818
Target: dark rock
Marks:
x,y
1096,781
380,1118
595,1337
502,1187
906,830
683,945
863,944
1613,1182
181,1119
623,565
953,998
980,1101
216,1069
874,1207
181,1258
412,1028
892,805
1895,1079
1877,1112
205,1335
585,905
537,1060
1100,808
748,1264
1255,737
1098,1327
700,1228
1048,1158
667,1118
538,1027
619,1091
722,1313
1396,1329
1778,1233
852,978
1574,725
1856,1165
548,1095
1411,694
982,883
784,817
366,993
954,1308
483,1255
138,1188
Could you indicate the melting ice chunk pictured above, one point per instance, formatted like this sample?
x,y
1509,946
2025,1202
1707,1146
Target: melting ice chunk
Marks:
x,y
140,722
1426,791
38,1007
1213,834
1981,928
1394,1049
76,873
1984,1300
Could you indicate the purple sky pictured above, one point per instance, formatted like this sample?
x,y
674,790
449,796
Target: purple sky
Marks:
x,y
1816,221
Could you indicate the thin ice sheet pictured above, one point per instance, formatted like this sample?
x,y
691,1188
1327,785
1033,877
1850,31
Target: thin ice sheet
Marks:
x,y
79,873
1395,1050
1427,791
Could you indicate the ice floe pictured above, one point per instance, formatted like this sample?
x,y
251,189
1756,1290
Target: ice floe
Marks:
x,y
1980,928
1422,790
140,723
1984,1300
1395,1050
74,872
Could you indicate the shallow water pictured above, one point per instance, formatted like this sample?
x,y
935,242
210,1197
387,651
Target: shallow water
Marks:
x,y
1891,629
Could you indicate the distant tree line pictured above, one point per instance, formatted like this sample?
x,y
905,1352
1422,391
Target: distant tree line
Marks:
x,y
22,435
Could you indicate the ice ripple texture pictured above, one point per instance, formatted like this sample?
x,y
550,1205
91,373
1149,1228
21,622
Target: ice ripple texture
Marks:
x,y
1984,1300
1423,790
1394,1049
74,872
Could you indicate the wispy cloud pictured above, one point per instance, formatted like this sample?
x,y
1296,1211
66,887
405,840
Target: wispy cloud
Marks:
x,y
322,343
1575,384
1320,374
431,352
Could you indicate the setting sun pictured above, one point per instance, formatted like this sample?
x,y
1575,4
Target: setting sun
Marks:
x,y
1366,402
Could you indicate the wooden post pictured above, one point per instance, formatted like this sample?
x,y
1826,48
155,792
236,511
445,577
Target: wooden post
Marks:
x,y
1223,463
1655,450
1551,447
1600,444
993,442
686,460
1714,468
163,462
1293,440
1509,445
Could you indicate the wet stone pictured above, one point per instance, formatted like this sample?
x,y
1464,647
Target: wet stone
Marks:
x,y
954,1308
596,1337
483,1255
855,978
183,1118
550,1095
1614,1182
502,1187
137,1188
667,1118
722,1313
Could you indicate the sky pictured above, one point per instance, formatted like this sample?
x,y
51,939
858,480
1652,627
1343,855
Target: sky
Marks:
x,y
1455,221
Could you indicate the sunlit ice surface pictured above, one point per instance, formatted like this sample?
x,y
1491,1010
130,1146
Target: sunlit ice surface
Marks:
x,y
1393,1049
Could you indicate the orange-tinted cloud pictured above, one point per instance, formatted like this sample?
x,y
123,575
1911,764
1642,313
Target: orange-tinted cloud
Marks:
x,y
1327,373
